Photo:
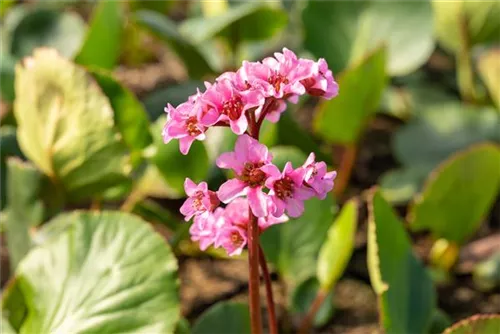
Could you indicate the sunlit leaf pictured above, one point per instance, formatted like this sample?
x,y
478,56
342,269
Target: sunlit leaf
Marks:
x,y
343,32
489,68
342,119
66,125
477,324
336,252
458,194
106,272
102,45
407,297
478,19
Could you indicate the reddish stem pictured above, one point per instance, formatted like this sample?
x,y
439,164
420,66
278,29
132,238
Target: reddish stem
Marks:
x,y
345,169
316,304
253,279
271,313
265,111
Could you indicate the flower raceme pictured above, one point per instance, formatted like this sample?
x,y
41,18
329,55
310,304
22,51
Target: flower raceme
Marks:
x,y
242,100
258,87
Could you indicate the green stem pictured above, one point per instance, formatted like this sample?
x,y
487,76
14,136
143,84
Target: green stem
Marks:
x,y
465,73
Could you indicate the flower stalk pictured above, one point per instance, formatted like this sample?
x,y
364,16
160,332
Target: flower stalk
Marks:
x,y
260,195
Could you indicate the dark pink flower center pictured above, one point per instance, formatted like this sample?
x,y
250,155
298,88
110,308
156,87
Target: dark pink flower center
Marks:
x,y
276,80
214,200
192,126
197,200
233,108
252,174
236,239
284,188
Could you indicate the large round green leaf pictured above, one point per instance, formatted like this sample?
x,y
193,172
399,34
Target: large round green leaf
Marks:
x,y
173,165
66,125
105,272
437,132
344,31
407,297
470,22
39,26
458,194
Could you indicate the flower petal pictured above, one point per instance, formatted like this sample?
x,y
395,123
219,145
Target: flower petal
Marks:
x,y
257,200
231,189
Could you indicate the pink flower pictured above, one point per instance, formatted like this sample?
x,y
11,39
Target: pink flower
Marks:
x,y
201,201
247,161
187,122
232,238
287,189
317,177
231,103
237,214
278,77
205,229
321,82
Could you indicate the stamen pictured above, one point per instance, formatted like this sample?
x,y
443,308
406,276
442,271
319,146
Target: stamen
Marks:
x,y
252,174
233,108
191,126
284,188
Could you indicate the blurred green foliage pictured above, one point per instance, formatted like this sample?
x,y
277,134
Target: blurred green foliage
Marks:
x,y
76,134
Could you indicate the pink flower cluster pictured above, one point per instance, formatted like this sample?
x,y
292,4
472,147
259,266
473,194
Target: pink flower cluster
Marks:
x,y
261,88
241,100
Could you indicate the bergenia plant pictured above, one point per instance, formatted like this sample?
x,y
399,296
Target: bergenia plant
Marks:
x,y
260,195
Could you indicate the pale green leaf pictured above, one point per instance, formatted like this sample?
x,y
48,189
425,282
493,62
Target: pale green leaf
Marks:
x,y
407,297
458,194
343,32
66,125
336,252
106,272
